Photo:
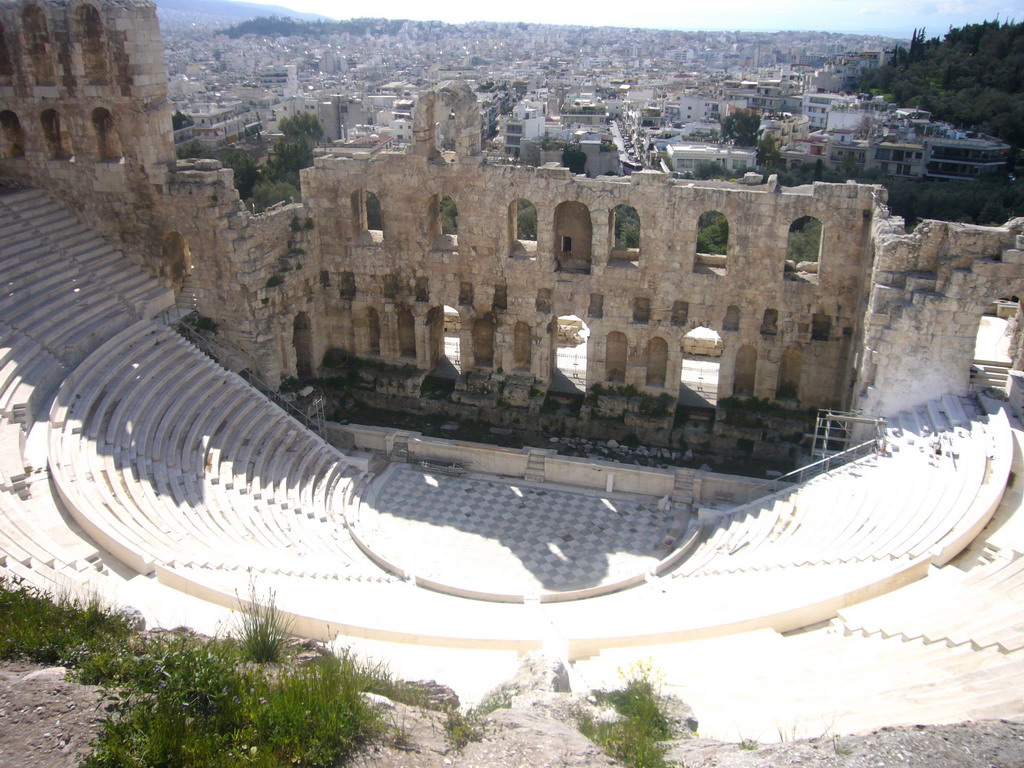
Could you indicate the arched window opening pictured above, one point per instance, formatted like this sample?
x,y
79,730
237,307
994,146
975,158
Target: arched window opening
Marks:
x,y
804,243
746,371
372,332
6,62
522,220
367,217
657,362
374,213
176,259
789,375
444,217
522,347
53,135
569,356
712,243
12,134
732,318
302,341
615,349
573,237
449,215
698,374
94,49
37,45
406,333
770,322
625,235
483,341
108,147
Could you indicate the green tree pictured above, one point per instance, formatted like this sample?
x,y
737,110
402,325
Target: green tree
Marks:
x,y
247,172
627,227
574,158
180,120
195,149
769,157
712,233
804,242
304,127
526,220
741,127
449,214
268,193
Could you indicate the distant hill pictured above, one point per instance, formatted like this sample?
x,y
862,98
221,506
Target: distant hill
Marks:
x,y
276,26
225,11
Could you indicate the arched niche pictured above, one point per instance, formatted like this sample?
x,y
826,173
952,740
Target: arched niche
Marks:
x,y
483,341
573,237
789,374
745,371
37,45
522,347
54,137
657,362
12,134
406,333
94,45
616,346
372,332
108,144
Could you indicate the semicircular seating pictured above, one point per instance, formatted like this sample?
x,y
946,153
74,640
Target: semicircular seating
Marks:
x,y
176,482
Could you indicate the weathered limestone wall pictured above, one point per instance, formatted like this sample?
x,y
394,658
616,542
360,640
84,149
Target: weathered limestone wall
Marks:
x,y
663,292
929,290
235,257
84,110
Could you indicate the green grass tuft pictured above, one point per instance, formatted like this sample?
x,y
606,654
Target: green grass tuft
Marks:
x,y
263,630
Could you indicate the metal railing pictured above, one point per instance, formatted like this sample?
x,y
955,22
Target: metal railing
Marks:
x,y
810,471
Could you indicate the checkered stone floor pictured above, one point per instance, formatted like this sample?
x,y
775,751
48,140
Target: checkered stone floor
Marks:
x,y
507,537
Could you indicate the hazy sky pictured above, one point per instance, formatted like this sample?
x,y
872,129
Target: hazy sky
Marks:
x,y
894,17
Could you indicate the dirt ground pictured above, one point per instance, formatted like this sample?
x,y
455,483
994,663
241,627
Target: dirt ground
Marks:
x,y
48,722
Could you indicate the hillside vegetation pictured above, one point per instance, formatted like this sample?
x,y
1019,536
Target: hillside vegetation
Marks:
x,y
973,77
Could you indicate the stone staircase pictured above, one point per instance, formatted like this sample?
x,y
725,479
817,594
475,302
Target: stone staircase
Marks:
x,y
989,373
535,466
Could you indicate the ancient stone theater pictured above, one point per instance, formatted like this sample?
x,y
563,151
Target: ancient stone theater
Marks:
x,y
878,584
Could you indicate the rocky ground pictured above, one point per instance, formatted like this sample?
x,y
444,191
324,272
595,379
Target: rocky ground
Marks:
x,y
48,722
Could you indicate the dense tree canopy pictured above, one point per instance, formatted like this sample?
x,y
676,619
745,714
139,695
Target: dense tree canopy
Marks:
x,y
741,127
278,179
973,77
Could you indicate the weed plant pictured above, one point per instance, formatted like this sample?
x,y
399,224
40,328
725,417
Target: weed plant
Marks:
x,y
636,739
263,631
183,701
60,631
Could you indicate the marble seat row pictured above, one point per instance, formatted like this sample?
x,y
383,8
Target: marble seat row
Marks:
x,y
219,480
899,503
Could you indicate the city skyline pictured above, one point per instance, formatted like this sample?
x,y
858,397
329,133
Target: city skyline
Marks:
x,y
897,18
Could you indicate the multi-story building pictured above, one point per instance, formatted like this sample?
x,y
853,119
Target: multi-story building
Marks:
x,y
684,158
